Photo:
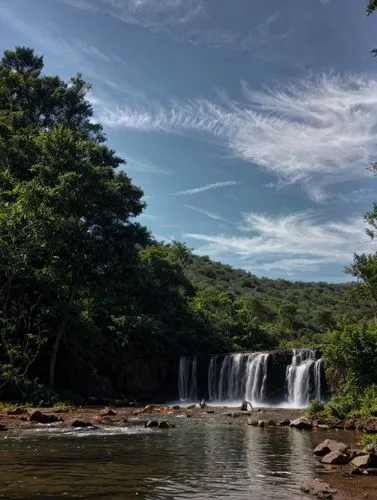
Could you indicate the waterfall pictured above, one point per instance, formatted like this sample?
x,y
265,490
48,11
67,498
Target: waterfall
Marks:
x,y
291,378
304,378
240,376
188,380
256,376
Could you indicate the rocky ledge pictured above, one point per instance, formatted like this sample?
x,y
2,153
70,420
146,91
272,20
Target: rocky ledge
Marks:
x,y
334,452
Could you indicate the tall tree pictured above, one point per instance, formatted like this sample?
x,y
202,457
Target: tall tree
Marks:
x,y
67,221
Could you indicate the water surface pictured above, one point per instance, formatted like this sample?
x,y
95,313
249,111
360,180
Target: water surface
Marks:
x,y
196,460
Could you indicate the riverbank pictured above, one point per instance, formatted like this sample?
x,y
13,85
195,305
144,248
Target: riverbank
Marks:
x,y
16,420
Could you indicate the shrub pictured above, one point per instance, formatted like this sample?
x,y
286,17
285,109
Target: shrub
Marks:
x,y
315,407
340,406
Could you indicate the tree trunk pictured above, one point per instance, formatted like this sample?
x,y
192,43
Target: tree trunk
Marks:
x,y
59,336
55,350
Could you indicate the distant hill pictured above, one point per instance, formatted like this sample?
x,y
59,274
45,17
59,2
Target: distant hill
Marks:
x,y
317,303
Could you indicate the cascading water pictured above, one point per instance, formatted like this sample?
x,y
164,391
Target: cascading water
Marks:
x,y
188,379
304,378
276,378
239,376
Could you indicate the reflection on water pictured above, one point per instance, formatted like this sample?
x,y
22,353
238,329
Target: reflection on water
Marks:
x,y
196,460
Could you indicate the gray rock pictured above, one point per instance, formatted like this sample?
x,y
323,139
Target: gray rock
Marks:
x,y
361,462
191,407
252,422
329,445
81,423
301,423
372,471
151,423
284,423
17,411
164,424
107,412
317,488
335,458
42,418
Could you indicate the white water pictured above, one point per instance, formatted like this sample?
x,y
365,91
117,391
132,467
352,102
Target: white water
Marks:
x,y
240,376
244,376
188,378
304,378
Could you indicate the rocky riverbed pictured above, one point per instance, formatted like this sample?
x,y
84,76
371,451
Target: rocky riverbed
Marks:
x,y
338,467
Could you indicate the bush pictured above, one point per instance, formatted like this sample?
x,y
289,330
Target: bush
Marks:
x,y
315,407
340,406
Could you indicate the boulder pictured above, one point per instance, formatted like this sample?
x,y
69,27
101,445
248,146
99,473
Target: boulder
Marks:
x,y
329,445
81,423
284,423
371,471
164,424
42,418
301,423
335,458
17,411
176,407
252,422
246,406
262,423
355,453
371,426
361,462
190,407
317,488
107,412
151,423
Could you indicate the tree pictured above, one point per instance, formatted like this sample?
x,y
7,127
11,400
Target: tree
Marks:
x,y
372,6
288,312
59,189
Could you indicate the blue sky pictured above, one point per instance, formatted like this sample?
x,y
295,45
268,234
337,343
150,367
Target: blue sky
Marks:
x,y
249,124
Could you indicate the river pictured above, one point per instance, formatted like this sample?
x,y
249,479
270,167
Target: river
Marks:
x,y
195,460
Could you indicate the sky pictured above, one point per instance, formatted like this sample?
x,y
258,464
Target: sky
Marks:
x,y
249,124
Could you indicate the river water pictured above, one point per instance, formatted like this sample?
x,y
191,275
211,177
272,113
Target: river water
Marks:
x,y
195,460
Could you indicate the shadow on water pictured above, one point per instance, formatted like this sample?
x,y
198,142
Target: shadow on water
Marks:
x,y
196,460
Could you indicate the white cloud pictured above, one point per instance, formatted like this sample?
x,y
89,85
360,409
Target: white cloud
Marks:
x,y
207,213
317,132
292,243
207,187
142,165
190,21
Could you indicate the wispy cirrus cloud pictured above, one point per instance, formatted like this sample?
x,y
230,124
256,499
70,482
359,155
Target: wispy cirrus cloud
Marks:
x,y
207,213
206,187
140,164
316,132
292,243
188,21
